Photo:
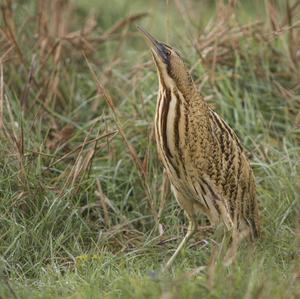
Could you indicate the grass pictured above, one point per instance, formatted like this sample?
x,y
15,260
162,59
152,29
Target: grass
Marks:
x,y
81,187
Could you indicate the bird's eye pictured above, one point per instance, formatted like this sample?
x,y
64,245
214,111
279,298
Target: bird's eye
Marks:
x,y
168,52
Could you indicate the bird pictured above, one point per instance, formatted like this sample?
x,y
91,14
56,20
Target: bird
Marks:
x,y
204,159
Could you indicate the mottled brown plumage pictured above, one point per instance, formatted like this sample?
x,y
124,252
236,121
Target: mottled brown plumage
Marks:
x,y
203,157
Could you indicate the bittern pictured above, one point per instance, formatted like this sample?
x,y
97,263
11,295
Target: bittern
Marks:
x,y
203,157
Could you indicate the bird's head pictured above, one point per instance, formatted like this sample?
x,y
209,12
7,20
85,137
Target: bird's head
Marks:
x,y
171,69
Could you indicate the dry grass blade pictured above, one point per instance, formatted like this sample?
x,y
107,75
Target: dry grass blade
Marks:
x,y
14,125
103,202
122,23
81,164
225,38
7,50
164,189
59,136
25,93
103,92
9,28
293,11
292,39
76,168
220,39
1,94
80,147
296,124
273,15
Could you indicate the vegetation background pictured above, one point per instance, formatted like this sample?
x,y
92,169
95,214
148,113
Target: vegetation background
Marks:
x,y
85,210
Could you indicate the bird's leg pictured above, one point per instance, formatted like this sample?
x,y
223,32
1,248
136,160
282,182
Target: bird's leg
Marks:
x,y
191,230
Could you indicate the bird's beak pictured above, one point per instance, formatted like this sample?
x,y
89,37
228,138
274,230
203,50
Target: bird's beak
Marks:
x,y
157,46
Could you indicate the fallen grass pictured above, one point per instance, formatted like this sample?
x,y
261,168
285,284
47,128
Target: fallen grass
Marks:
x,y
85,209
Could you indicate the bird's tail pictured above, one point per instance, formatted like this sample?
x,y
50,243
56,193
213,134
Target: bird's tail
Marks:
x,y
252,219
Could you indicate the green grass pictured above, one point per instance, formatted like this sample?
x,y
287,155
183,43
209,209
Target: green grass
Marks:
x,y
75,217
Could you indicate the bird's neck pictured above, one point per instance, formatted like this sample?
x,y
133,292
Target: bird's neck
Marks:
x,y
188,96
174,111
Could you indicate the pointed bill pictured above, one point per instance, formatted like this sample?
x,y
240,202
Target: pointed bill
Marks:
x,y
159,48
